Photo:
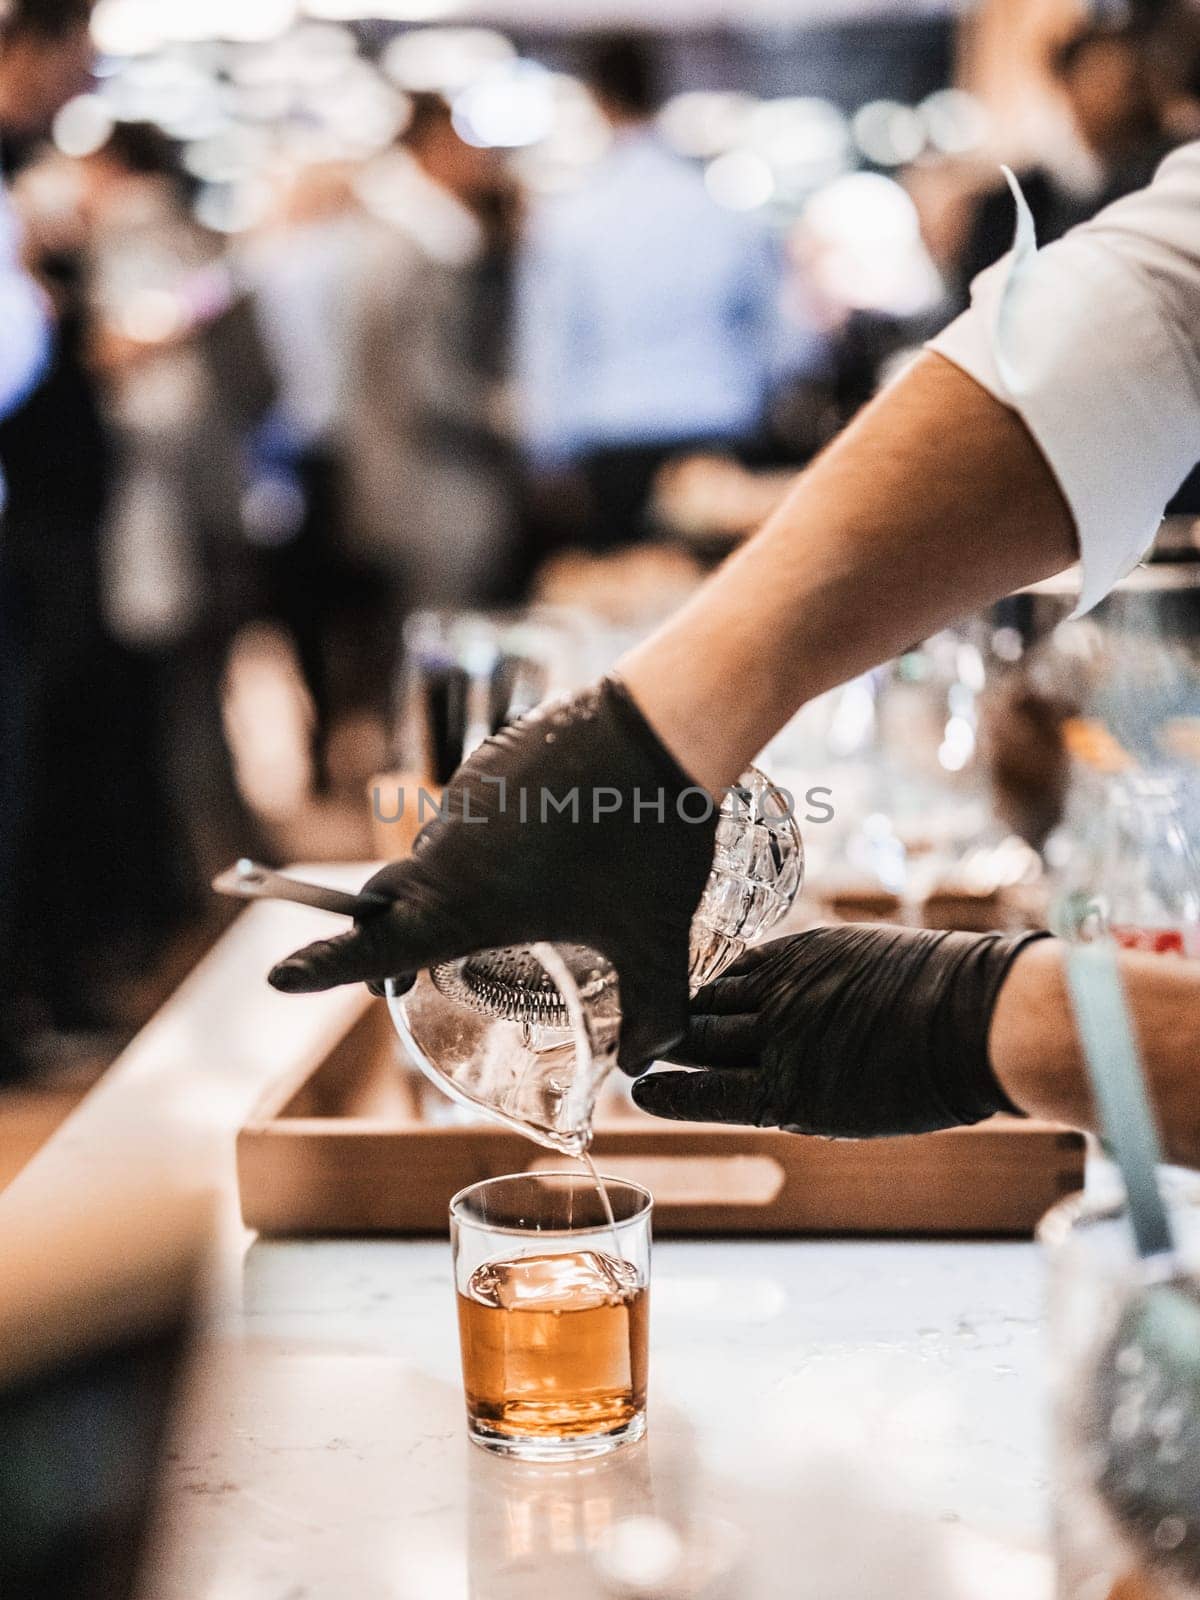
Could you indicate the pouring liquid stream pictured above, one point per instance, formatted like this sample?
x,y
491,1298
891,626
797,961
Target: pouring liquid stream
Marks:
x,y
605,1203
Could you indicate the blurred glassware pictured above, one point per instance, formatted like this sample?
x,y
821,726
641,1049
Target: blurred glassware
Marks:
x,y
1130,872
464,675
1157,602
1138,683
528,1035
1108,1547
911,730
1070,697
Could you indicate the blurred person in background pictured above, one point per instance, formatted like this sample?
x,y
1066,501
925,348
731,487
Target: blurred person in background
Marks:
x,y
430,466
116,473
45,58
1116,103
28,53
1121,90
301,268
648,318
185,383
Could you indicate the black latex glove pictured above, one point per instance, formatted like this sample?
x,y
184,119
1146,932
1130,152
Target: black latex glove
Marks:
x,y
850,1032
625,883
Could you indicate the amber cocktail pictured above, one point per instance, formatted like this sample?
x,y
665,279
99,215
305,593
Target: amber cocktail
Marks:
x,y
553,1313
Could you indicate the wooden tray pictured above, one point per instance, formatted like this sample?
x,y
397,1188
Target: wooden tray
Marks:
x,y
360,1144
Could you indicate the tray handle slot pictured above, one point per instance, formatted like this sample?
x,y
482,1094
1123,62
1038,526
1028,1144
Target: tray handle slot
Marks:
x,y
698,1180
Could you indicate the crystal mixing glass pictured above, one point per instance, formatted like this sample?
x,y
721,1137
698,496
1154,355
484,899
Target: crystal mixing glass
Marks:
x,y
527,1035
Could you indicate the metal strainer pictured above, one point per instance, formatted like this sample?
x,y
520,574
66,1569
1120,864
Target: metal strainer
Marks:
x,y
512,984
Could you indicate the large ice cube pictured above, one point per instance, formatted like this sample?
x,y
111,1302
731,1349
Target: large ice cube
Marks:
x,y
579,1281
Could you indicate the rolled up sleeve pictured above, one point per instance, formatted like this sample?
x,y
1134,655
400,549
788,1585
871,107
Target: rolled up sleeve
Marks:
x,y
1095,342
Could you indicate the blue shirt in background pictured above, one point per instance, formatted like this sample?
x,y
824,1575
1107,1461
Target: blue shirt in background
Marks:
x,y
646,314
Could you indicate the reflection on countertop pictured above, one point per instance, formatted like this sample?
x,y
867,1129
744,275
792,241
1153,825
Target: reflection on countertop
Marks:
x,y
865,1413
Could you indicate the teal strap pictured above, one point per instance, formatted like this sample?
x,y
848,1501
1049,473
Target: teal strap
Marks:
x,y
1114,1062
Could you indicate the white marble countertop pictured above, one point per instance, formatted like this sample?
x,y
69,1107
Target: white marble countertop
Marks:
x,y
827,1419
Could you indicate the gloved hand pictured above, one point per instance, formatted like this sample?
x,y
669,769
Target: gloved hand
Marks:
x,y
850,1032
622,871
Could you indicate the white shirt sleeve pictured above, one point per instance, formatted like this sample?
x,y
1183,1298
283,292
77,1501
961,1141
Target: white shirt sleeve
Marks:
x,y
1095,343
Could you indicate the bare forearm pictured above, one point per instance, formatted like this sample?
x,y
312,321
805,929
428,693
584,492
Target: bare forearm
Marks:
x,y
1035,1051
934,502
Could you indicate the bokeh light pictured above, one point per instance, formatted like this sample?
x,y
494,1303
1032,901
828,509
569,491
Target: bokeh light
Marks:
x,y
706,123
137,27
173,89
246,21
508,108
333,10
234,208
311,53
445,60
231,156
861,238
888,133
357,109
807,137
956,123
253,89
82,126
384,10
126,27
740,181
151,316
